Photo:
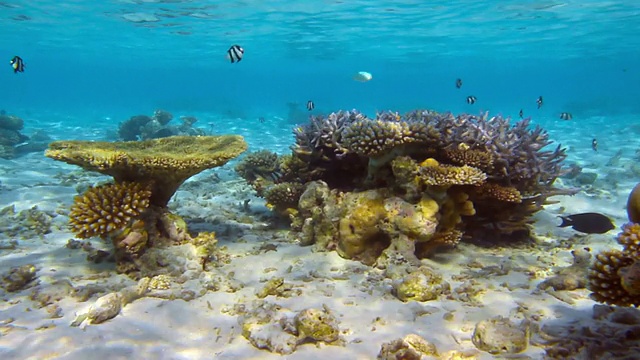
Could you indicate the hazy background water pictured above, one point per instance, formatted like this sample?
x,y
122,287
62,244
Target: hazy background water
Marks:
x,y
99,57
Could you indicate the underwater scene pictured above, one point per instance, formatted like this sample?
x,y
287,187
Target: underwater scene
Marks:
x,y
329,179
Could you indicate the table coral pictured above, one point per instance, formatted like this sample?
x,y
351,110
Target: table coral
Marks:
x,y
132,212
163,163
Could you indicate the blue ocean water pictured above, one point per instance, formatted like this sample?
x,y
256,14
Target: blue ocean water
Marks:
x,y
90,65
94,59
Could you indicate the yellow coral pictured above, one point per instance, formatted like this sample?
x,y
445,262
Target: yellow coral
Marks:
x,y
633,205
165,163
432,173
359,226
104,209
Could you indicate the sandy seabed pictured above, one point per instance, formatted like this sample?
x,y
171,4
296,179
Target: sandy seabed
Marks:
x,y
484,281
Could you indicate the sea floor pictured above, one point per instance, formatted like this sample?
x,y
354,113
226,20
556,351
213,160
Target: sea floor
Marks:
x,y
205,323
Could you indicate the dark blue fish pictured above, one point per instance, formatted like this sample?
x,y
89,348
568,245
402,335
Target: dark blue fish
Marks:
x,y
589,223
594,144
458,83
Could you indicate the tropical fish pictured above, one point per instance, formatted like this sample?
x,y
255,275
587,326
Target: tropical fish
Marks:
x,y
521,114
235,53
362,76
594,144
471,99
566,116
17,64
310,105
539,101
458,83
589,223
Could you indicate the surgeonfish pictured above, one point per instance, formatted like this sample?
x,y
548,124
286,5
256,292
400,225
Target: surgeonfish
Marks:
x,y
235,53
17,64
589,223
471,99
566,116
362,76
310,105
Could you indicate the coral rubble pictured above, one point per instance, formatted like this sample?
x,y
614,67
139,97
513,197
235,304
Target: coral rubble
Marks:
x,y
13,143
132,211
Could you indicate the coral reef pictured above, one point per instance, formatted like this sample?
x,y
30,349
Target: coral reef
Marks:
x,y
351,167
13,143
143,127
133,212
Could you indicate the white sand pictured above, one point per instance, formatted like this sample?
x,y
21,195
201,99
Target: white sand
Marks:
x,y
152,328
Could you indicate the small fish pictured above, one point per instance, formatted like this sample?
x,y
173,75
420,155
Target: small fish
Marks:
x,y
458,83
594,144
589,223
566,116
539,101
17,64
521,114
261,119
310,105
471,99
235,53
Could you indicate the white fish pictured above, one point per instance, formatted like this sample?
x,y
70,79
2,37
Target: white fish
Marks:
x,y
362,76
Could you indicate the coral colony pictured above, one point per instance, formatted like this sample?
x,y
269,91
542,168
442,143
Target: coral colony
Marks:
x,y
416,182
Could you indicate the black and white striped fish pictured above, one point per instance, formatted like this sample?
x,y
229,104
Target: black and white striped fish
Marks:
x,y
17,64
471,99
235,53
566,116
310,105
539,101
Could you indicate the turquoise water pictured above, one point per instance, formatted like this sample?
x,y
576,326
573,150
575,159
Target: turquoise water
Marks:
x,y
85,57
90,65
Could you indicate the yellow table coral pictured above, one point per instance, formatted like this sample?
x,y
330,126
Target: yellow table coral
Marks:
x,y
164,163
132,212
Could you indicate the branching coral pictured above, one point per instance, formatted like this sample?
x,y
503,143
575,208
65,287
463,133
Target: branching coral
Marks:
x,y
107,208
260,164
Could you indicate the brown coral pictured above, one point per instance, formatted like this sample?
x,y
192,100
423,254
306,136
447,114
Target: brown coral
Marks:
x,y
373,138
463,156
164,163
633,205
606,279
107,208
435,174
498,192
284,195
629,238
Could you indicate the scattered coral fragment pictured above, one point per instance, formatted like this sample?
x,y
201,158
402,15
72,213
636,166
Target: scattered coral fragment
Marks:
x,y
500,335
18,278
411,347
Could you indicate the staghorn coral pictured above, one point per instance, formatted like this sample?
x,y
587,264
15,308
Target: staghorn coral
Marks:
x,y
104,209
163,163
